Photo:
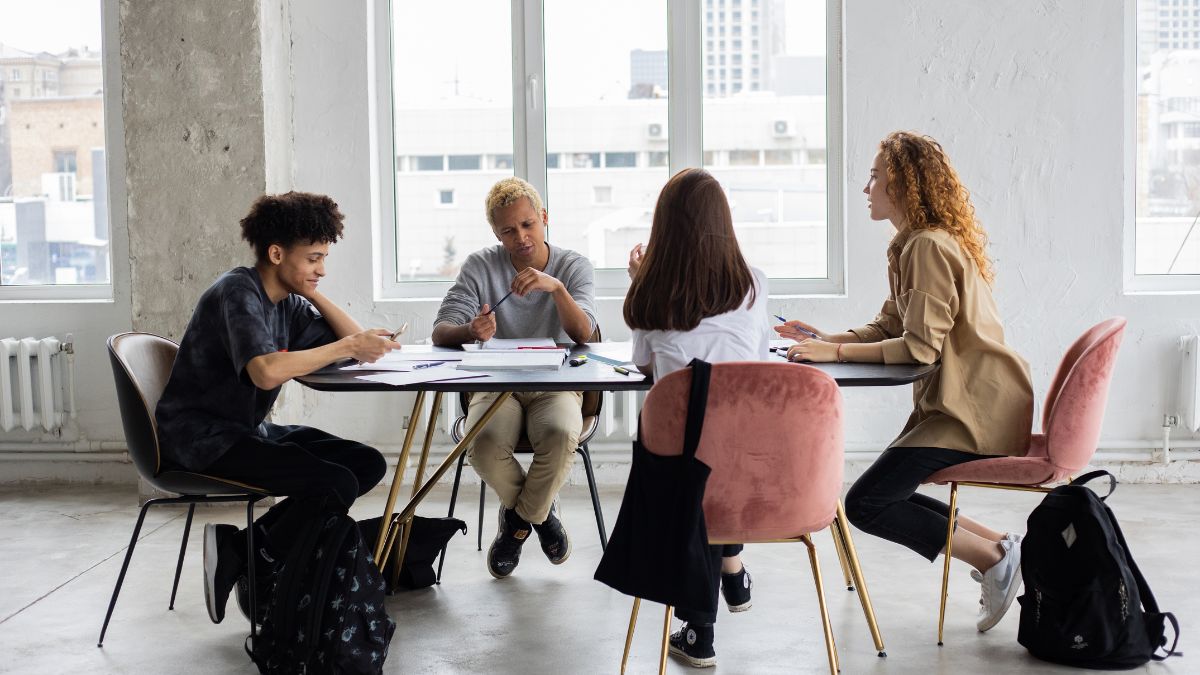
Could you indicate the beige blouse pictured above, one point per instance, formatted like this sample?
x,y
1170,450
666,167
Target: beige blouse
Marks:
x,y
940,309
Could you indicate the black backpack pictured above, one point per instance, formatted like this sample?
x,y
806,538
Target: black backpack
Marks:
x,y
326,611
1086,603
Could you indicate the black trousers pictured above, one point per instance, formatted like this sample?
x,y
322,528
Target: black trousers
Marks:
x,y
303,462
884,500
708,618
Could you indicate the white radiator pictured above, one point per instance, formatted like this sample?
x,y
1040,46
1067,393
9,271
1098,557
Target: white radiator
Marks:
x,y
34,383
1189,382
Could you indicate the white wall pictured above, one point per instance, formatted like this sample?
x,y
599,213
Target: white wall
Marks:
x,y
1026,97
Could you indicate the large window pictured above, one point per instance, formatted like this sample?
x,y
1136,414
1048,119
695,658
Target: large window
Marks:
x,y
54,228
597,109
1166,114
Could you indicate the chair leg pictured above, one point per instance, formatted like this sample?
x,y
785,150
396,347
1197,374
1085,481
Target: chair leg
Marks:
x,y
840,547
250,555
830,647
637,603
124,566
591,478
662,655
950,523
860,580
450,513
482,501
187,527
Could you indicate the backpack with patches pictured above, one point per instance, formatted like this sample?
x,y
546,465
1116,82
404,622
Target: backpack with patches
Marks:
x,y
1086,603
326,613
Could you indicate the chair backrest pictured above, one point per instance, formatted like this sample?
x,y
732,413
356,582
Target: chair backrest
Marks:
x,y
141,365
1074,409
773,439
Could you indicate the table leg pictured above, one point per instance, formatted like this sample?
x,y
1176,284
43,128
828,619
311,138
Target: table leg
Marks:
x,y
419,495
420,476
398,478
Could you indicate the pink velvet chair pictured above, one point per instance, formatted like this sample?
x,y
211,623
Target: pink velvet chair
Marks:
x,y
773,439
1071,420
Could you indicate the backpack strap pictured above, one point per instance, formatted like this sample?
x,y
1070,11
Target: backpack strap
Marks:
x,y
1146,594
1093,475
697,405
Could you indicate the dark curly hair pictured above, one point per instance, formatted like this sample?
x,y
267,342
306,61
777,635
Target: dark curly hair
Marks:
x,y
291,218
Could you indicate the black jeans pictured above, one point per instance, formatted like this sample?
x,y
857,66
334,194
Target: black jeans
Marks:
x,y
884,500
708,618
304,462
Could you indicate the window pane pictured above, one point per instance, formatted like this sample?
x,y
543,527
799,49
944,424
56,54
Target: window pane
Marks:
x,y
53,185
453,108
605,100
764,133
1167,199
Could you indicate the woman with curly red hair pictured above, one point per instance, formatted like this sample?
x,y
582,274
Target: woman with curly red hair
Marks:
x,y
979,403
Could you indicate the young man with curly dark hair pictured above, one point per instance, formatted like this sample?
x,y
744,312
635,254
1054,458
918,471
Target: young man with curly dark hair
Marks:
x,y
252,330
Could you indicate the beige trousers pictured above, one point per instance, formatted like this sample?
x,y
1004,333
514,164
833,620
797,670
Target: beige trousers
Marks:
x,y
552,420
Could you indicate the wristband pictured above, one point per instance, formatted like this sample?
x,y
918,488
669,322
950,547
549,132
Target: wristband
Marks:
x,y
839,353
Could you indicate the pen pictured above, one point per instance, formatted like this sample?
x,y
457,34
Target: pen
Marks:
x,y
426,365
499,303
623,371
541,347
802,330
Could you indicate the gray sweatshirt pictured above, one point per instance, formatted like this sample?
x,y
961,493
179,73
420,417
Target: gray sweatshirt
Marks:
x,y
486,277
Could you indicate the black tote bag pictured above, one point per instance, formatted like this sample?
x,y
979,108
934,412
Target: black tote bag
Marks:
x,y
659,548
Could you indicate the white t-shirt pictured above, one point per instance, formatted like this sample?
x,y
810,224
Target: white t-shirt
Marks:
x,y
742,334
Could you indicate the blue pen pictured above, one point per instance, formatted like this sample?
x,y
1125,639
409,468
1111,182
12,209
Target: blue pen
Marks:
x,y
802,330
426,365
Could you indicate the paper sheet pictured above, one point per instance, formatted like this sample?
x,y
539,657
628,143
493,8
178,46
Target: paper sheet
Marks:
x,y
397,379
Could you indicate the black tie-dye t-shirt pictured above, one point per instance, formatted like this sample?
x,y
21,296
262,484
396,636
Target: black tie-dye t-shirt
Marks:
x,y
210,402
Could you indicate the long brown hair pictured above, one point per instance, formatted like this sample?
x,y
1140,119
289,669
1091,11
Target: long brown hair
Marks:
x,y
693,267
926,188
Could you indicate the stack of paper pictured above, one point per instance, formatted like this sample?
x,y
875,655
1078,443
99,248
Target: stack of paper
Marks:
x,y
533,359
498,344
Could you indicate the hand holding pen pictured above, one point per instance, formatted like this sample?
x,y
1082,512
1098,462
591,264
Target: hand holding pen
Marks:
x,y
483,326
797,330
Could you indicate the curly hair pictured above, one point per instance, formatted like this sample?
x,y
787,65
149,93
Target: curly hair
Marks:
x,y
507,191
291,218
926,189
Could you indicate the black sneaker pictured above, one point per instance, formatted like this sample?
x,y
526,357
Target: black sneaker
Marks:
x,y
261,598
505,551
736,589
694,644
553,536
222,565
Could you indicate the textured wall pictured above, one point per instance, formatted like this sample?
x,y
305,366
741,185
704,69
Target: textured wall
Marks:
x,y
193,107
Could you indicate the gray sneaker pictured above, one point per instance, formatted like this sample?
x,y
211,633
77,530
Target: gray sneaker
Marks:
x,y
553,537
505,552
999,586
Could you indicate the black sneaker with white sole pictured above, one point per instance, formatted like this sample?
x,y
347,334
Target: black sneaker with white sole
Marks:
x,y
553,537
505,551
736,589
222,565
262,597
694,644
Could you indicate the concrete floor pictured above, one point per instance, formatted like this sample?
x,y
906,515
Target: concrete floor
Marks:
x,y
63,547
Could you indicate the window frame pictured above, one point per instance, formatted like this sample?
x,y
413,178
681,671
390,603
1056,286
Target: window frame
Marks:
x,y
685,58
114,160
1134,283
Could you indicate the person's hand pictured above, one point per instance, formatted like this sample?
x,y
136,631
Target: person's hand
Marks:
x,y
791,330
370,345
635,260
815,351
483,326
530,280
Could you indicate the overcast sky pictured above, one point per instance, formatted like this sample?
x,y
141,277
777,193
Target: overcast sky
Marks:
x,y
50,25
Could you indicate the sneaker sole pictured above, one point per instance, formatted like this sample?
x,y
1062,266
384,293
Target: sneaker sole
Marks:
x,y
693,661
741,608
985,625
210,570
564,558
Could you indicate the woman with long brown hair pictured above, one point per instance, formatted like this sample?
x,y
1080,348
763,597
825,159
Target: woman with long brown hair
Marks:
x,y
693,296
979,403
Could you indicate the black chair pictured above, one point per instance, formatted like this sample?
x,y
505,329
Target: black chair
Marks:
x,y
141,365
592,403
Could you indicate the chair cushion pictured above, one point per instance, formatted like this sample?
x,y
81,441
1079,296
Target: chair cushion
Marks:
x,y
188,483
1030,471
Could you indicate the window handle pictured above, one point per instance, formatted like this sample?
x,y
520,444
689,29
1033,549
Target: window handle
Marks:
x,y
531,92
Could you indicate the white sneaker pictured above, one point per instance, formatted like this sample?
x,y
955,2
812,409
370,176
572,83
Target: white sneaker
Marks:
x,y
1000,585
1014,538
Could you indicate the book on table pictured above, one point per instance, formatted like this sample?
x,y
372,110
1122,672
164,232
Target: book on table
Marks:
x,y
514,344
533,359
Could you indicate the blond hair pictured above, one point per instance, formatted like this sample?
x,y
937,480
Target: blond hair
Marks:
x,y
507,191
927,190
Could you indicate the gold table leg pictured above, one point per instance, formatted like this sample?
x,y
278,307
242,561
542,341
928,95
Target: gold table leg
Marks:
x,y
421,464
860,581
397,479
419,495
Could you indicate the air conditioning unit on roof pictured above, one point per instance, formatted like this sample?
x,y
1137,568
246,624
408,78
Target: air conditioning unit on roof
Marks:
x,y
782,129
